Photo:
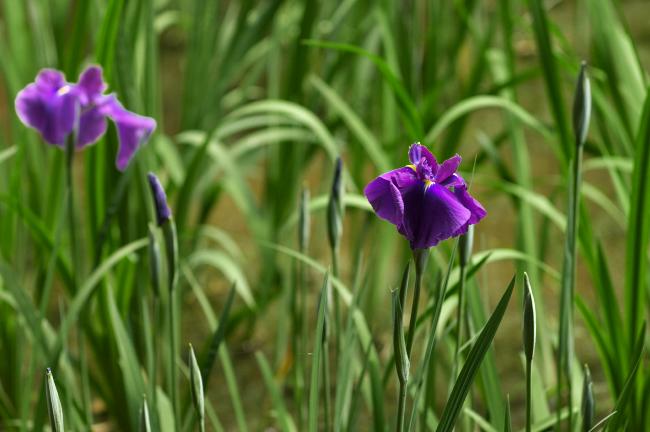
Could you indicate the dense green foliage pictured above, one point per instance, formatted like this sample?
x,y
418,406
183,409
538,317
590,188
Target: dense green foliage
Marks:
x,y
255,102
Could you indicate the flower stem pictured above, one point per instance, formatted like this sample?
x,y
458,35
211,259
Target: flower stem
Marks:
x,y
401,408
567,294
326,385
420,256
529,401
172,357
337,306
460,319
74,250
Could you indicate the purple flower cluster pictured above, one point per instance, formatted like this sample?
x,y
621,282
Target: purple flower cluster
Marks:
x,y
56,108
427,201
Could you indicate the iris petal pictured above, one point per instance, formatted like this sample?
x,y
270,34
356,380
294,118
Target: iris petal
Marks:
x,y
49,80
468,201
454,180
132,129
91,85
431,214
41,107
417,151
448,168
92,125
385,193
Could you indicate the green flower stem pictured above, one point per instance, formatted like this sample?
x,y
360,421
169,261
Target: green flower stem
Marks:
x,y
74,250
402,362
566,351
401,408
337,306
171,252
420,257
460,319
154,363
529,401
326,385
173,376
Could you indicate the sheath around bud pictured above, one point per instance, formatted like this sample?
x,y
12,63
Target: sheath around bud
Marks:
x,y
155,260
466,244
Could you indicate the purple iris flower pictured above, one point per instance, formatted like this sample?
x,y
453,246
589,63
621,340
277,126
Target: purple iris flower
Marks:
x,y
427,201
55,108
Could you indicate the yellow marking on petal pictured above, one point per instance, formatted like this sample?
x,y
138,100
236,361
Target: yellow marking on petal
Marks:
x,y
412,167
63,90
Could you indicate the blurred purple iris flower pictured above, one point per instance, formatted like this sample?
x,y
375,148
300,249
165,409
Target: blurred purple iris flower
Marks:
x,y
427,201
55,108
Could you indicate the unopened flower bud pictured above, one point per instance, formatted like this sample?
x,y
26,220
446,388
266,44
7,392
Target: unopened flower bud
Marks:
x,y
588,408
303,220
53,403
163,213
196,387
335,207
145,423
582,106
530,320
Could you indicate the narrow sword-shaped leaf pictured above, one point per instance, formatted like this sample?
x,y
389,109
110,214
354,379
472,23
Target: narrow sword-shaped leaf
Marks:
x,y
474,358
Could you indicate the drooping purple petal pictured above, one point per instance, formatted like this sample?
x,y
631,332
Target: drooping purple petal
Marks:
x,y
92,125
48,106
453,180
448,168
476,209
431,214
91,85
384,193
132,129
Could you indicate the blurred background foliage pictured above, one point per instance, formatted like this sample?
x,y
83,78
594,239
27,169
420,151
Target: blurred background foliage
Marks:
x,y
254,101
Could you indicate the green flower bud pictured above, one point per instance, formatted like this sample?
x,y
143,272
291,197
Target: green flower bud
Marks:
x,y
303,220
155,260
588,408
530,320
196,387
335,207
53,403
145,424
582,106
